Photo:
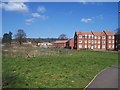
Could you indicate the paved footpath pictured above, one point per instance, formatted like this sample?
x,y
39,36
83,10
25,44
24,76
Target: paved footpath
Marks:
x,y
106,79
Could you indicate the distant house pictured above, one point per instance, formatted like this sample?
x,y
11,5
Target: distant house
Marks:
x,y
70,43
27,43
44,44
60,43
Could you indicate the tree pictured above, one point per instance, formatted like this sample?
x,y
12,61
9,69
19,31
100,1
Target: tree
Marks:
x,y
7,38
20,36
62,36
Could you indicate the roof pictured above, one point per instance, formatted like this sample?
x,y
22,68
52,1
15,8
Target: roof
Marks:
x,y
108,32
61,41
98,33
84,33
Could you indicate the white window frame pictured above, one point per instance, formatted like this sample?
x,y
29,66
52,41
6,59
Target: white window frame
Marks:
x,y
103,46
103,37
92,36
80,41
95,37
89,41
98,42
85,41
98,46
89,36
85,46
109,41
103,42
95,41
80,36
109,46
113,37
80,45
98,37
112,41
95,46
85,36
112,46
109,37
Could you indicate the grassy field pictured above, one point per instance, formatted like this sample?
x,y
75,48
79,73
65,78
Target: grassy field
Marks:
x,y
60,68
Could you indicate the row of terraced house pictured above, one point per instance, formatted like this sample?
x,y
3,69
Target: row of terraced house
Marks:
x,y
105,40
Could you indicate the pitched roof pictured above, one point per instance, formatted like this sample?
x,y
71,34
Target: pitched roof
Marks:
x,y
108,32
61,41
98,33
84,33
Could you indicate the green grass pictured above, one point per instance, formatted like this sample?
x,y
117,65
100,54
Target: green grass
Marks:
x,y
74,70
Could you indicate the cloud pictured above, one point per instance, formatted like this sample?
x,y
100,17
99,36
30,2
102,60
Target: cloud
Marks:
x,y
86,20
37,15
29,21
41,9
15,6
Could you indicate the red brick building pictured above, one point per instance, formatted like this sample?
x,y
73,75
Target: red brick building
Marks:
x,y
110,38
99,40
83,40
94,40
60,43
117,41
70,43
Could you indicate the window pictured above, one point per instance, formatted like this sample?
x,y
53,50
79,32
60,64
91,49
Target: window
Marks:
x,y
95,37
80,41
92,41
103,46
80,36
92,36
95,41
98,37
80,46
113,41
98,46
109,46
89,41
103,42
109,41
103,37
85,41
95,46
89,36
89,46
112,46
98,42
109,37
85,46
85,36
112,37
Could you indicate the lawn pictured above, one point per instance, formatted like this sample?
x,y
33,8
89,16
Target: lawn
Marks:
x,y
62,69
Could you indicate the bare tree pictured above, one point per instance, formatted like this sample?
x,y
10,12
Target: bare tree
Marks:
x,y
20,36
63,36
